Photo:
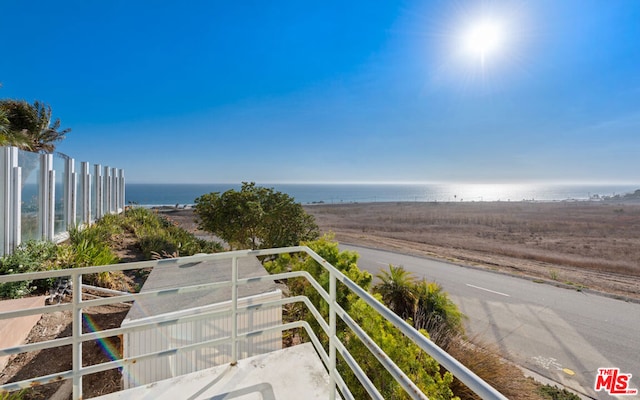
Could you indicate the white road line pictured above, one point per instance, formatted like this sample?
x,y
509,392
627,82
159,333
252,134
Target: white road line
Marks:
x,y
488,290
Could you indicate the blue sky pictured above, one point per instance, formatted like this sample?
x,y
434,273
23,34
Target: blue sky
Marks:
x,y
335,91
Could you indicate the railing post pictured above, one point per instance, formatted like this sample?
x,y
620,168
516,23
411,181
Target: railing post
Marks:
x,y
16,203
99,189
106,194
114,190
332,336
70,184
43,193
10,191
77,333
122,188
86,193
51,204
234,311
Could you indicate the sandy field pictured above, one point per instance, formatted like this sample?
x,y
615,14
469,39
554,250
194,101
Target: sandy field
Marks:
x,y
580,245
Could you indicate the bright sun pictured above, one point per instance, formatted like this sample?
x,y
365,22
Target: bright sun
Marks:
x,y
483,39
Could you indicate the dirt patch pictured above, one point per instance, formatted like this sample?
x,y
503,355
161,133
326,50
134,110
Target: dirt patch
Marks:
x,y
58,325
187,220
577,244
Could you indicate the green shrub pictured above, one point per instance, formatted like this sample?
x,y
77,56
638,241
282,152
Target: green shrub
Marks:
x,y
31,256
418,365
555,393
18,395
91,247
157,235
434,309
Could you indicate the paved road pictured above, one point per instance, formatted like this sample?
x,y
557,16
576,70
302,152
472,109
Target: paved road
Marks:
x,y
562,334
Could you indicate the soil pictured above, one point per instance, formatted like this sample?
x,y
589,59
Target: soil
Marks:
x,y
58,325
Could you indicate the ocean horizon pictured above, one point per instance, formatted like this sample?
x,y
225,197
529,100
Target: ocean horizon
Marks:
x,y
153,194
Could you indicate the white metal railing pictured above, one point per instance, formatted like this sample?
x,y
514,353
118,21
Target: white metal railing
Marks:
x,y
337,383
34,173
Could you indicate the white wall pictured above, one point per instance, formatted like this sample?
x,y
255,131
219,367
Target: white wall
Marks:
x,y
190,332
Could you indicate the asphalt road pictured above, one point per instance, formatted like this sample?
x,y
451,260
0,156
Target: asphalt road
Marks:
x,y
562,334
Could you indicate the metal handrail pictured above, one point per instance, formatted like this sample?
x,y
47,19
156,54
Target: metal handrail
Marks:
x,y
466,376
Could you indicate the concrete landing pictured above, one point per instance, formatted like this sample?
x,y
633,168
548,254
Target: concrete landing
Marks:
x,y
293,373
14,331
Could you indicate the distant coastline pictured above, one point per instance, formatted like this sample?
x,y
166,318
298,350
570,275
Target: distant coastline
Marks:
x,y
181,195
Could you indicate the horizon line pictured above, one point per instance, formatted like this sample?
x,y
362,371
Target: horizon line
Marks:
x,y
453,182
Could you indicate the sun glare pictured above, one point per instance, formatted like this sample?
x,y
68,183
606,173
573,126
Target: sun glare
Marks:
x,y
482,44
483,39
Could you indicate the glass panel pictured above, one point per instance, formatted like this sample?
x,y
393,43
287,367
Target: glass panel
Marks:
x,y
30,164
59,223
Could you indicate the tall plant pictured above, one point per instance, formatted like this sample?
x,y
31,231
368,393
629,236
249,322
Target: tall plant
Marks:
x,y
396,288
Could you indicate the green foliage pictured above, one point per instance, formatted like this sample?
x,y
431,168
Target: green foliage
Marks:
x,y
157,235
434,310
31,256
90,247
396,288
255,217
421,368
555,393
34,121
424,303
17,395
9,137
325,247
4,122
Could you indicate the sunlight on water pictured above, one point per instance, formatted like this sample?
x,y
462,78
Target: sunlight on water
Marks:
x,y
172,194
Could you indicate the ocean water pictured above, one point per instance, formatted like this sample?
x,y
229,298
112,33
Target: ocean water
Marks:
x,y
184,194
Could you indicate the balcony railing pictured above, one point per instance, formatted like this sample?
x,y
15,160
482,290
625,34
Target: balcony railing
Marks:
x,y
335,346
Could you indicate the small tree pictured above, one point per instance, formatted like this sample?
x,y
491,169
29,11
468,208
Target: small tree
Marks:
x,y
435,311
424,303
255,217
396,288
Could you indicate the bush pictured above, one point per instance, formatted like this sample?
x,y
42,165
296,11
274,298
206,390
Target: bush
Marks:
x,y
157,235
31,256
18,395
424,303
418,365
255,217
555,393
